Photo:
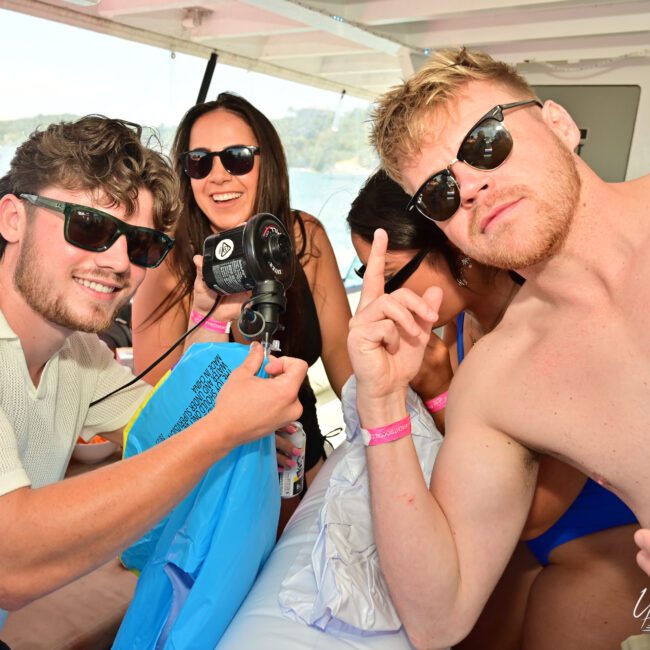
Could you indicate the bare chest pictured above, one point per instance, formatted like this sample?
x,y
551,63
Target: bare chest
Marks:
x,y
582,393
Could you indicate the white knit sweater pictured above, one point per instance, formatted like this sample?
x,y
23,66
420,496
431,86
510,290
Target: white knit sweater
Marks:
x,y
39,425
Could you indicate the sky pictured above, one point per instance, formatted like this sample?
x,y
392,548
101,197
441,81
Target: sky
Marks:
x,y
51,68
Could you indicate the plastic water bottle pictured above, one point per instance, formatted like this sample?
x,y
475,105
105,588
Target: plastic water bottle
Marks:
x,y
292,479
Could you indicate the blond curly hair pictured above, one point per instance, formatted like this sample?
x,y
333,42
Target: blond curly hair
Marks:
x,y
399,117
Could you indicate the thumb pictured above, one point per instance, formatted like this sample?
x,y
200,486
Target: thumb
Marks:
x,y
293,369
198,261
433,297
254,359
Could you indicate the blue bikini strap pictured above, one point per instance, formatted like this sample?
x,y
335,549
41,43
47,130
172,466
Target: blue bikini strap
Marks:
x,y
460,322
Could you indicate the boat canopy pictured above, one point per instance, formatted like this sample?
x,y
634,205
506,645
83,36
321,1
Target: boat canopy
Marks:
x,y
364,47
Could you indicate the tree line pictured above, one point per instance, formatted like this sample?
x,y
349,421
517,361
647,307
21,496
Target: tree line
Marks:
x,y
313,139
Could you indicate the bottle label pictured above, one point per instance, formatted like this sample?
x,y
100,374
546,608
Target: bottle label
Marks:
x,y
292,478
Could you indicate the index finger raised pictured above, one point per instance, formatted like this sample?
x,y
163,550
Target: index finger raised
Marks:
x,y
373,278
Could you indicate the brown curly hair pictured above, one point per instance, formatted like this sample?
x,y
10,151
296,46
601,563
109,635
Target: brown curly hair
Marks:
x,y
100,155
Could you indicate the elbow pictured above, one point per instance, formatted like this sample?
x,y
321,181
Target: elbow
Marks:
x,y
13,599
15,591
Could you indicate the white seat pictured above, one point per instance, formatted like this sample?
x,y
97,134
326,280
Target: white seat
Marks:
x,y
260,623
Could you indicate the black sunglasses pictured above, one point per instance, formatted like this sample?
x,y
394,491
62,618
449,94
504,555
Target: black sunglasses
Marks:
x,y
236,160
94,230
486,146
396,281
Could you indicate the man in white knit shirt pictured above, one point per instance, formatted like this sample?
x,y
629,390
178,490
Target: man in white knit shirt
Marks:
x,y
71,192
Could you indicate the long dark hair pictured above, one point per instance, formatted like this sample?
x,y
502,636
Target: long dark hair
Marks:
x,y
381,203
272,196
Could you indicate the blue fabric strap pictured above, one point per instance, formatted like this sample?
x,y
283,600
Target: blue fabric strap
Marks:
x,y
460,324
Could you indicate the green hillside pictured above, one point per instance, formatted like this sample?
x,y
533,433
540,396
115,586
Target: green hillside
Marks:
x,y
307,135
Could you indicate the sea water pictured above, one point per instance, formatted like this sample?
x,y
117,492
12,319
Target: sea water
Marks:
x,y
328,195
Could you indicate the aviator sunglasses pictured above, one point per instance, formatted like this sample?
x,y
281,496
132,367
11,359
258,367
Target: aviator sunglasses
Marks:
x,y
97,231
486,146
396,281
236,160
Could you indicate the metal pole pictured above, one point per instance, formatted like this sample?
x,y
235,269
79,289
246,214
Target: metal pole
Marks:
x,y
207,78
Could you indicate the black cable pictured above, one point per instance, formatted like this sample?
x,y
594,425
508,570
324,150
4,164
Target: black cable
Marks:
x,y
333,433
161,357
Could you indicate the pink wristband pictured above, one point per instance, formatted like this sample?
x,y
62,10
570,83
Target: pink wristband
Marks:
x,y
390,432
437,403
218,326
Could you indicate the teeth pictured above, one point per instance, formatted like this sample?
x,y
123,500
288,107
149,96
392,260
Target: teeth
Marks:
x,y
226,197
95,286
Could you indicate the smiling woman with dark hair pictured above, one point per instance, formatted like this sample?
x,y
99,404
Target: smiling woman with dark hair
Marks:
x,y
231,166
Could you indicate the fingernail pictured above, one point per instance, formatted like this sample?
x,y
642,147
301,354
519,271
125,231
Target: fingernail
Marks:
x,y
292,463
292,429
296,451
253,346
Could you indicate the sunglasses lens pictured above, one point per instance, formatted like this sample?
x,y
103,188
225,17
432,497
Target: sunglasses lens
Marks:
x,y
439,198
96,232
90,230
237,160
487,145
197,164
146,248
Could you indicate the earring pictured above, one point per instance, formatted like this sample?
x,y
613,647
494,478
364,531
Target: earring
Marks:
x,y
465,262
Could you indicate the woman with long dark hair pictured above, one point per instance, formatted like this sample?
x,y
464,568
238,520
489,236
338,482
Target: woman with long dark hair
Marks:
x,y
231,166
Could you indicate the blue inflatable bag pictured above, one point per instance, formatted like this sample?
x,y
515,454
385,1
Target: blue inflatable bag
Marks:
x,y
198,565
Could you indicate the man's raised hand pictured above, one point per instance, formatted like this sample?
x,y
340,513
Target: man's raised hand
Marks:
x,y
388,333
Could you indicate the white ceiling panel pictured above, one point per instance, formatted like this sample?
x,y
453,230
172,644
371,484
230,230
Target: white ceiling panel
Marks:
x,y
365,47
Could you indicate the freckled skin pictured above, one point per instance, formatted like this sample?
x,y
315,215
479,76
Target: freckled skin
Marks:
x,y
497,418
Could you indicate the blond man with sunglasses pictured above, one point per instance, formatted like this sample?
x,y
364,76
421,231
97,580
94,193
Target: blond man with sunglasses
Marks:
x,y
85,210
564,373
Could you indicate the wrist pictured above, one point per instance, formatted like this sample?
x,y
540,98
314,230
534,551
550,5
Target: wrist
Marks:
x,y
387,433
212,324
378,411
210,438
437,403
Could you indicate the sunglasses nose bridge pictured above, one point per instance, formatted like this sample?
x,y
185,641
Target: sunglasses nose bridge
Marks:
x,y
217,169
470,182
116,255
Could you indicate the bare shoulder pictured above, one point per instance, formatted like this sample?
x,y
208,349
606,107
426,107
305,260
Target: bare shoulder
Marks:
x,y
309,220
510,380
318,251
312,231
489,378
482,398
641,184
